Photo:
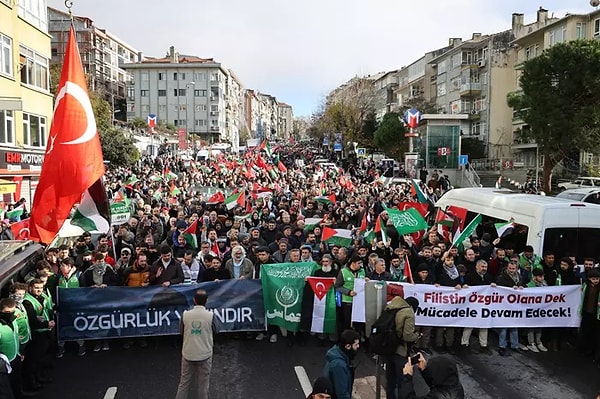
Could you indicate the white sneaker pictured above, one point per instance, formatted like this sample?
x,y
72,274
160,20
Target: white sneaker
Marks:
x,y
522,347
541,347
533,348
260,337
273,338
98,347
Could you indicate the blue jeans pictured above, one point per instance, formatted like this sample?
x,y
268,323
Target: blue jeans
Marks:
x,y
513,337
393,374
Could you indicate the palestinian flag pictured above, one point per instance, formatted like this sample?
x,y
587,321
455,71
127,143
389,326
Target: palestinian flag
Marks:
x,y
380,228
235,199
132,180
318,305
157,194
93,212
15,213
341,237
363,224
330,199
281,167
370,236
416,191
173,191
444,218
504,228
310,223
467,232
264,146
155,177
190,234
216,198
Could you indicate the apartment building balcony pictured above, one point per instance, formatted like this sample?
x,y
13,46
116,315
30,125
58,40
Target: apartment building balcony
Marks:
x,y
470,89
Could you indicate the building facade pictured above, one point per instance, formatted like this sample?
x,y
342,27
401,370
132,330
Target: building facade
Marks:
x,y
26,104
285,121
186,92
102,55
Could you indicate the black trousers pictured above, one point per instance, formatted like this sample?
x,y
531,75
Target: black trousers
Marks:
x,y
15,377
36,357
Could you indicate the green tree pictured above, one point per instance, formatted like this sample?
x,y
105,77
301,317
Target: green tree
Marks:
x,y
118,149
389,136
367,131
559,101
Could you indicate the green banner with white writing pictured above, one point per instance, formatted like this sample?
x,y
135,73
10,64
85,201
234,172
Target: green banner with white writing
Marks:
x,y
283,286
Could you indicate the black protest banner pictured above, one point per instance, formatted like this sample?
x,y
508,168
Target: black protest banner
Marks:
x,y
112,312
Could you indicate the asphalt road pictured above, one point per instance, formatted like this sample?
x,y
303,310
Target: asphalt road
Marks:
x,y
245,368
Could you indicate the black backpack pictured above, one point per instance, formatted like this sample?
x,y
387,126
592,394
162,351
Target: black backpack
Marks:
x,y
384,340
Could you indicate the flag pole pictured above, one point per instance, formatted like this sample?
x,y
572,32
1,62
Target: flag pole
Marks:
x,y
69,5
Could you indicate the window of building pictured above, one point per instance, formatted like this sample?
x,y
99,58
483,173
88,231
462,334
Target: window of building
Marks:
x,y
162,92
200,122
214,122
182,107
34,68
161,76
214,107
145,108
558,35
131,92
182,74
7,127
130,107
200,107
441,67
199,76
467,58
580,30
174,75
34,130
6,58
455,84
199,93
179,122
456,60
597,27
162,108
34,12
181,92
144,93
214,76
144,75
441,89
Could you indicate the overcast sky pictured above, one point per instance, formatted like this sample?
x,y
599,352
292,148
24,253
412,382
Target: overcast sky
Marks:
x,y
299,51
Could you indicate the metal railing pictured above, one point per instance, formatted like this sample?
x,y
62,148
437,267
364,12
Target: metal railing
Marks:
x,y
471,177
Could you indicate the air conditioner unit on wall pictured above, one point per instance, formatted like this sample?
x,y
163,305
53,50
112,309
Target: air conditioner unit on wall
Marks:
x,y
481,63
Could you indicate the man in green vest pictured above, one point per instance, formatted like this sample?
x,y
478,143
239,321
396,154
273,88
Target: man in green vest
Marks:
x,y
68,277
590,316
41,322
17,293
9,348
344,284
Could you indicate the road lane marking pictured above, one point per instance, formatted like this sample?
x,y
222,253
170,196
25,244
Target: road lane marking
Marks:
x,y
304,380
110,393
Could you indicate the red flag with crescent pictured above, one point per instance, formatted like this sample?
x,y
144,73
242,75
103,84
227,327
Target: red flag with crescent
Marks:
x,y
73,160
320,285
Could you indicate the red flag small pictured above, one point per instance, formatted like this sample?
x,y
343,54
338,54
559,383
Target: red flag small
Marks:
x,y
281,167
320,285
216,198
407,271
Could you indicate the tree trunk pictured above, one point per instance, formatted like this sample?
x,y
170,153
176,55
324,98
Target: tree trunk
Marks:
x,y
549,163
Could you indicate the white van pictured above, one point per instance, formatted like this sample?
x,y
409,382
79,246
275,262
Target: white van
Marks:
x,y
565,227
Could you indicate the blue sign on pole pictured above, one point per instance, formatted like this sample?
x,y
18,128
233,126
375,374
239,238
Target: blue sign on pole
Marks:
x,y
463,160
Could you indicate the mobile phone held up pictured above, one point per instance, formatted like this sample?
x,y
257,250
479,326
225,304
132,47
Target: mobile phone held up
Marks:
x,y
415,359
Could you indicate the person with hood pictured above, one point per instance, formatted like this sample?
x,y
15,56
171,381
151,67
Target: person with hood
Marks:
x,y
405,331
338,367
322,389
441,375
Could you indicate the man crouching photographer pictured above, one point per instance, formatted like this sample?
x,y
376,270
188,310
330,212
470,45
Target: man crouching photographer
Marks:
x,y
440,374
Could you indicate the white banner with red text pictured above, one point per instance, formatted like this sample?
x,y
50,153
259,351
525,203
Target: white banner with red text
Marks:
x,y
495,307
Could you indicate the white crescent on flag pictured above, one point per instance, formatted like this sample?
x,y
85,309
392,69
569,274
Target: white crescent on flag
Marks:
x,y
80,95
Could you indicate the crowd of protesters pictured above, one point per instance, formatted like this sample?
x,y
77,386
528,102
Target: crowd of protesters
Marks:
x,y
287,201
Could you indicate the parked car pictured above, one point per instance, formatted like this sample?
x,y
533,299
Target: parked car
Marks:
x,y
580,182
589,195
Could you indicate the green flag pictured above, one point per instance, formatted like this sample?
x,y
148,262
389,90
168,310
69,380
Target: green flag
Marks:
x,y
466,233
408,221
370,236
283,286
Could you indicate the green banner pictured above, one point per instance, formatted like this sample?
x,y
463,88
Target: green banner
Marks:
x,y
283,286
408,221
